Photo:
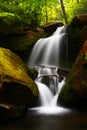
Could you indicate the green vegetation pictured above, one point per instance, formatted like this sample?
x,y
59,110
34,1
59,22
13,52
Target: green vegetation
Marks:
x,y
73,7
24,13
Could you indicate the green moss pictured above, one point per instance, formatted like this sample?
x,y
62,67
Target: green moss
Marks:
x,y
67,93
32,73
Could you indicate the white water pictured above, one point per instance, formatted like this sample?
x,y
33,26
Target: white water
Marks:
x,y
52,50
46,97
47,55
49,101
48,75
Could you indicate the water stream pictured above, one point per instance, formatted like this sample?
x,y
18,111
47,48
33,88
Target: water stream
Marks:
x,y
47,56
52,50
48,100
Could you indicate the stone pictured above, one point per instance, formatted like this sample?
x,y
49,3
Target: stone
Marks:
x,y
79,21
16,87
50,27
77,34
74,92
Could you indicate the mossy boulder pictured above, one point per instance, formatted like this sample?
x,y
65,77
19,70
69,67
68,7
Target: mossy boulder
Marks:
x,y
77,34
21,43
17,34
16,86
74,92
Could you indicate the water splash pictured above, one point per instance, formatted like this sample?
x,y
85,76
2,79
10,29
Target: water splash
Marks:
x,y
47,110
46,97
49,101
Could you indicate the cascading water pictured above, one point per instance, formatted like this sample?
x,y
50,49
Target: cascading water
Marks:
x,y
46,97
52,50
48,101
47,81
48,75
47,55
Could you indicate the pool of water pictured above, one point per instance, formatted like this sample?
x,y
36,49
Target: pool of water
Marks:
x,y
48,119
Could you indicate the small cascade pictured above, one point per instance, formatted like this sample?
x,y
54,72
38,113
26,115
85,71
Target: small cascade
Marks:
x,y
48,85
46,97
48,76
45,94
48,101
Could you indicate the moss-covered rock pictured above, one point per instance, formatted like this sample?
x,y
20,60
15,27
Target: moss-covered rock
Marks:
x,y
74,92
16,87
21,43
77,34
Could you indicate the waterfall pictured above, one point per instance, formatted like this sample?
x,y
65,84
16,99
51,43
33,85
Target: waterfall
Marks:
x,y
48,101
47,56
46,97
52,50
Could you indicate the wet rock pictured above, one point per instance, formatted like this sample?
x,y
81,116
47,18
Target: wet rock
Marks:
x,y
74,92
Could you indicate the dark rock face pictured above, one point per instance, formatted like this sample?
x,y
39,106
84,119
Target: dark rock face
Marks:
x,y
52,26
77,34
79,21
74,92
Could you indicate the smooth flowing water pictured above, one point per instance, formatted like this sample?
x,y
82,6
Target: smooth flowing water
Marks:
x,y
47,98
47,56
52,50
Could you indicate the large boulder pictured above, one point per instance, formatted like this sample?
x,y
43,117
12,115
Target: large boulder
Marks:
x,y
79,21
74,92
50,27
77,34
16,87
21,43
